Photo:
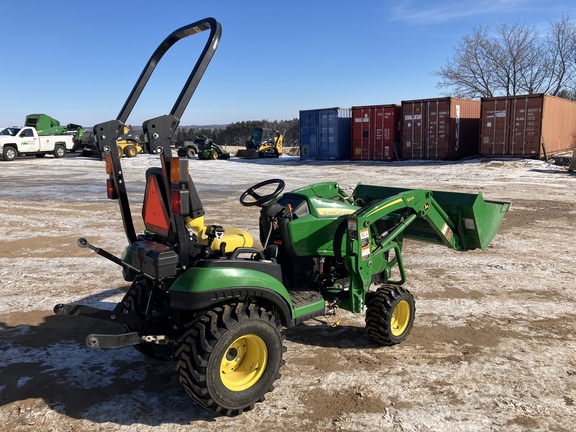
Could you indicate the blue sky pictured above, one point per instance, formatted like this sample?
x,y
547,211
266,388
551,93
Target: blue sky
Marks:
x,y
78,60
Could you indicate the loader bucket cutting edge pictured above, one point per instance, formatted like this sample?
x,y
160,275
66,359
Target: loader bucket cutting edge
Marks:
x,y
478,219
247,154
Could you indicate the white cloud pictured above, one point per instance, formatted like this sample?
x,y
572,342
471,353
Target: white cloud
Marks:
x,y
418,13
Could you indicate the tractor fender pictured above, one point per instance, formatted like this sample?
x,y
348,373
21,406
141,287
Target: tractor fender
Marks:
x,y
203,287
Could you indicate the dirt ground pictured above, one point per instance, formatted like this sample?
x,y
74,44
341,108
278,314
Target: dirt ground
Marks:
x,y
492,349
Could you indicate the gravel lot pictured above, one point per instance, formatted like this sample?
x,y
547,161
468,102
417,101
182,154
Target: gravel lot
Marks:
x,y
492,349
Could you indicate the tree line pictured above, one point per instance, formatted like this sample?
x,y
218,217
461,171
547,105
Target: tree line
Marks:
x,y
238,133
513,59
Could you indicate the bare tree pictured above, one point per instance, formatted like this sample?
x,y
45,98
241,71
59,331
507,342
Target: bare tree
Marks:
x,y
517,59
562,56
514,60
470,72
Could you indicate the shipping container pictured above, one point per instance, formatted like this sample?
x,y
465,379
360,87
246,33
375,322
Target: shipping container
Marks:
x,y
528,126
375,132
440,128
325,134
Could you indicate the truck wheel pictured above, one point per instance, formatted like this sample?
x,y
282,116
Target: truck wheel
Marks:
x,y
136,301
59,151
130,151
230,357
9,153
190,152
389,314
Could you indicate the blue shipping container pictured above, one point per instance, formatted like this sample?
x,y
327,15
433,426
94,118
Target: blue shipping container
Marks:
x,y
325,134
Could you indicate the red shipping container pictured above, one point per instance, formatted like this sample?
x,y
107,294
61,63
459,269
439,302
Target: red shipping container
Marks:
x,y
440,128
532,126
375,132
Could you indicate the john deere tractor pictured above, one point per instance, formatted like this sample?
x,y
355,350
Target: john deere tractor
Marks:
x,y
204,296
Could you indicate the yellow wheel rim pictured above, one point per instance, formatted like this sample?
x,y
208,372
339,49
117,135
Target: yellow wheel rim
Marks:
x,y
244,362
400,318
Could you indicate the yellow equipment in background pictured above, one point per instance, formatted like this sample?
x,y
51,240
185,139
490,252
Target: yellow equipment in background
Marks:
x,y
129,144
263,143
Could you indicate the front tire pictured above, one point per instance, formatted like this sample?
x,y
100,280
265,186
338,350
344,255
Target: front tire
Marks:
x,y
390,314
230,357
9,153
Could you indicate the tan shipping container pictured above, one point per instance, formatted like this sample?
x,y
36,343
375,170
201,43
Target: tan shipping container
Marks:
x,y
528,126
440,128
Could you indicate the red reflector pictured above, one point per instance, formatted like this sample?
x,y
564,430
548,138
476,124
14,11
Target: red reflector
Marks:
x,y
111,192
176,201
154,211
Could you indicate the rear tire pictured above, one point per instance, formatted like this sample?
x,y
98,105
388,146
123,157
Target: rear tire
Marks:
x,y
130,151
59,151
390,314
190,152
230,357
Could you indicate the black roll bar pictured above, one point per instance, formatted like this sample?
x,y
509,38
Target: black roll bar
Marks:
x,y
160,130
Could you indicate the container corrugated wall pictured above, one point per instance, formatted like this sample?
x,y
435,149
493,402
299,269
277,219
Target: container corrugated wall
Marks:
x,y
375,132
529,126
440,128
325,134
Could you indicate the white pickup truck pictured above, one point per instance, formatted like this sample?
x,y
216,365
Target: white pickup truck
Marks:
x,y
15,141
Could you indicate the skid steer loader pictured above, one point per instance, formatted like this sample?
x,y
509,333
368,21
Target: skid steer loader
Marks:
x,y
263,143
204,297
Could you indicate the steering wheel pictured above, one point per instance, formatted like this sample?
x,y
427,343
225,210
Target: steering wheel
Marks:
x,y
260,200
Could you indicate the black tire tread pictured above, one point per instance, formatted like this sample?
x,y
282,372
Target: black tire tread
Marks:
x,y
379,307
199,341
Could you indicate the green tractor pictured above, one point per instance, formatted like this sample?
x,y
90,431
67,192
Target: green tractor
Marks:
x,y
208,150
206,298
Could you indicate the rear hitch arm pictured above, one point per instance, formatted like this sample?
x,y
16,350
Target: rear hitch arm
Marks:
x,y
114,315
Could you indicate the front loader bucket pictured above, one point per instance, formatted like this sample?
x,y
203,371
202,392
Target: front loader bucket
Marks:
x,y
479,220
247,154
475,220
88,152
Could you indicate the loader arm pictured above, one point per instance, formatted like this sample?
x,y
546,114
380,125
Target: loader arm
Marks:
x,y
376,231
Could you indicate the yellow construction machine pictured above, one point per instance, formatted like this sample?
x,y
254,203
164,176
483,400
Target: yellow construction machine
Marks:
x,y
264,143
129,144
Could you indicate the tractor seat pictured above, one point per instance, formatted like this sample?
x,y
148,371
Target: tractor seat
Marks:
x,y
232,237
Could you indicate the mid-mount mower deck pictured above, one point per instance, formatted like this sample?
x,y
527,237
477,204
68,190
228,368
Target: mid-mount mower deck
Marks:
x,y
206,298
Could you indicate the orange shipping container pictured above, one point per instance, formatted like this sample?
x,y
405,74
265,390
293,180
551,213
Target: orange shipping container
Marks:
x,y
532,126
375,132
440,128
